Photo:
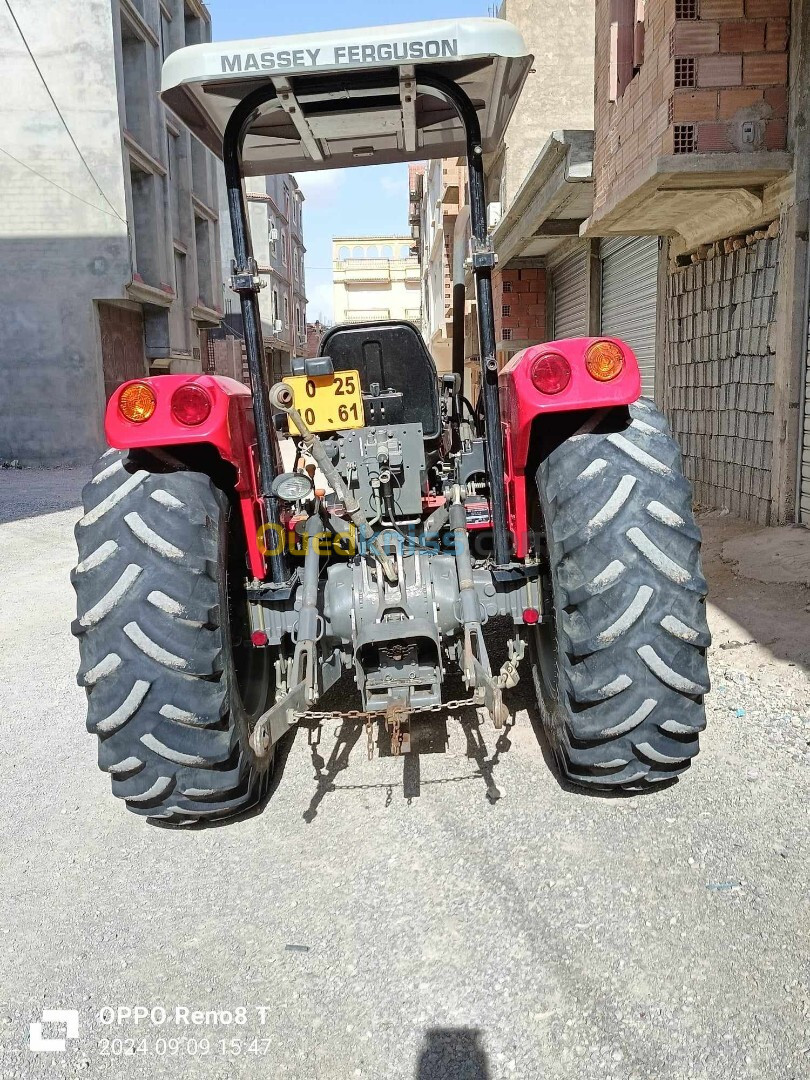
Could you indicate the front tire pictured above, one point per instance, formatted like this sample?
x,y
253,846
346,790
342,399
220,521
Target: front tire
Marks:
x,y
174,687
621,670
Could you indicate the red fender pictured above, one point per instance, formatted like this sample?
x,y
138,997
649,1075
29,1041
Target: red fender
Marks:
x,y
522,403
230,429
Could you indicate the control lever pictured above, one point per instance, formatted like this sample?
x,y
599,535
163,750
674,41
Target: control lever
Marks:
x,y
281,397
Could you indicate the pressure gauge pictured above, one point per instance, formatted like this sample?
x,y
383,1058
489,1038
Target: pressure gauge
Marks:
x,y
292,487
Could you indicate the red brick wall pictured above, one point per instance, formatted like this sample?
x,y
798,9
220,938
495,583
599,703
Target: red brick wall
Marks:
x,y
315,332
633,131
524,291
734,56
740,49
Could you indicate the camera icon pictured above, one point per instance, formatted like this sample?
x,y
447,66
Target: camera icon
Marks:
x,y
68,1017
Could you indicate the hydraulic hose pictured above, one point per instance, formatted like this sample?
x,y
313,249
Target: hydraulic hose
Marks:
x,y
281,397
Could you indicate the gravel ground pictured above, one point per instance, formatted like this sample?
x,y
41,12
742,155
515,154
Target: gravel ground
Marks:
x,y
460,915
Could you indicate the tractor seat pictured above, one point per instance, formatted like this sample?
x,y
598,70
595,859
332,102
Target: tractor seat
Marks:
x,y
390,356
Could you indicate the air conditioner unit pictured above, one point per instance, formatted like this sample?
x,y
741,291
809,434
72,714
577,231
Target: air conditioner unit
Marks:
x,y
278,326
273,234
494,214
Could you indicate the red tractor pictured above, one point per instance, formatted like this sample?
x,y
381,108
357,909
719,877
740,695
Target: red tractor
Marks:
x,y
220,596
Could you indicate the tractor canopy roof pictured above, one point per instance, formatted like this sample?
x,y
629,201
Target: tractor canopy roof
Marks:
x,y
352,97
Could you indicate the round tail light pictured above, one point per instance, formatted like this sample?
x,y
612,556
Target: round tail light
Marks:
x,y
191,405
137,403
551,373
604,361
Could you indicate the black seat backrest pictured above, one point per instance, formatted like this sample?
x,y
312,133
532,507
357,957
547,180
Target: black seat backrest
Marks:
x,y
393,355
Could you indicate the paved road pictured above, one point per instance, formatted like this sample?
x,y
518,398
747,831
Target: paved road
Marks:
x,y
387,922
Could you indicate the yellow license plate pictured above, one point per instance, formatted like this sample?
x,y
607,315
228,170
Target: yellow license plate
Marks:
x,y
329,402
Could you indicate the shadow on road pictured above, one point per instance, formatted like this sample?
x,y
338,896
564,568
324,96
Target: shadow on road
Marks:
x,y
428,736
32,493
453,1052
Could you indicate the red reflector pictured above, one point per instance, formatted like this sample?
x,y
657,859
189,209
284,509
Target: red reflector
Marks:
x,y
551,373
191,405
259,638
531,616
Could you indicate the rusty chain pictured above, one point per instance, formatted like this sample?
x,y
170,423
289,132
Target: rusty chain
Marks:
x,y
358,714
394,717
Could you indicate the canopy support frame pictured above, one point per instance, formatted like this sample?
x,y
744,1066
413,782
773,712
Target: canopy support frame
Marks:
x,y
247,284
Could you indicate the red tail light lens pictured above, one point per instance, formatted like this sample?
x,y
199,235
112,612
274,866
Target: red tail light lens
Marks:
x,y
551,373
191,405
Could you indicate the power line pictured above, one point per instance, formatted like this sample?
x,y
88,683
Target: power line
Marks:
x,y
53,183
61,117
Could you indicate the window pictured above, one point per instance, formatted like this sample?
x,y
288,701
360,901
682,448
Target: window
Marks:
x,y
507,286
134,51
202,235
144,216
286,311
193,26
295,264
284,248
165,34
199,170
275,306
506,311
507,334
181,288
273,234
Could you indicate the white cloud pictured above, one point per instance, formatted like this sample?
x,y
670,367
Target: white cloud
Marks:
x,y
320,302
320,188
395,186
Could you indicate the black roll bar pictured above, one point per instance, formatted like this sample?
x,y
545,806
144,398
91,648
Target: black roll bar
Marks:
x,y
483,263
246,284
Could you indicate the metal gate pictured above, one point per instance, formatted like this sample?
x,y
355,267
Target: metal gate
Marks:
x,y
569,283
123,353
630,298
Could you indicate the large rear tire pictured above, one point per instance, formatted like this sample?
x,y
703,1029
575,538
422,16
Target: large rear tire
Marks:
x,y
174,686
621,669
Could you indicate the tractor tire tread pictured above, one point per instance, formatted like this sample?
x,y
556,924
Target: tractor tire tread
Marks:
x,y
629,599
152,644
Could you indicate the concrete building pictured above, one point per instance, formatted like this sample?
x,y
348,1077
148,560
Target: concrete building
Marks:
x,y
109,236
376,278
436,194
275,207
537,202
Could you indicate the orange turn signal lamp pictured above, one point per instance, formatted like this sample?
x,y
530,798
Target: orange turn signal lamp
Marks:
x,y
137,403
604,361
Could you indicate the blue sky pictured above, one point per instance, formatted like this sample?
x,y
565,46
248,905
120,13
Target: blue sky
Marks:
x,y
364,200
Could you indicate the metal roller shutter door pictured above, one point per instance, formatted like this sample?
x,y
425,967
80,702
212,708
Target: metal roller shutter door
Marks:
x,y
569,282
630,298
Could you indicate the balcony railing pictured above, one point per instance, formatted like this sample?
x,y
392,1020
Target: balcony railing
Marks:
x,y
377,315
